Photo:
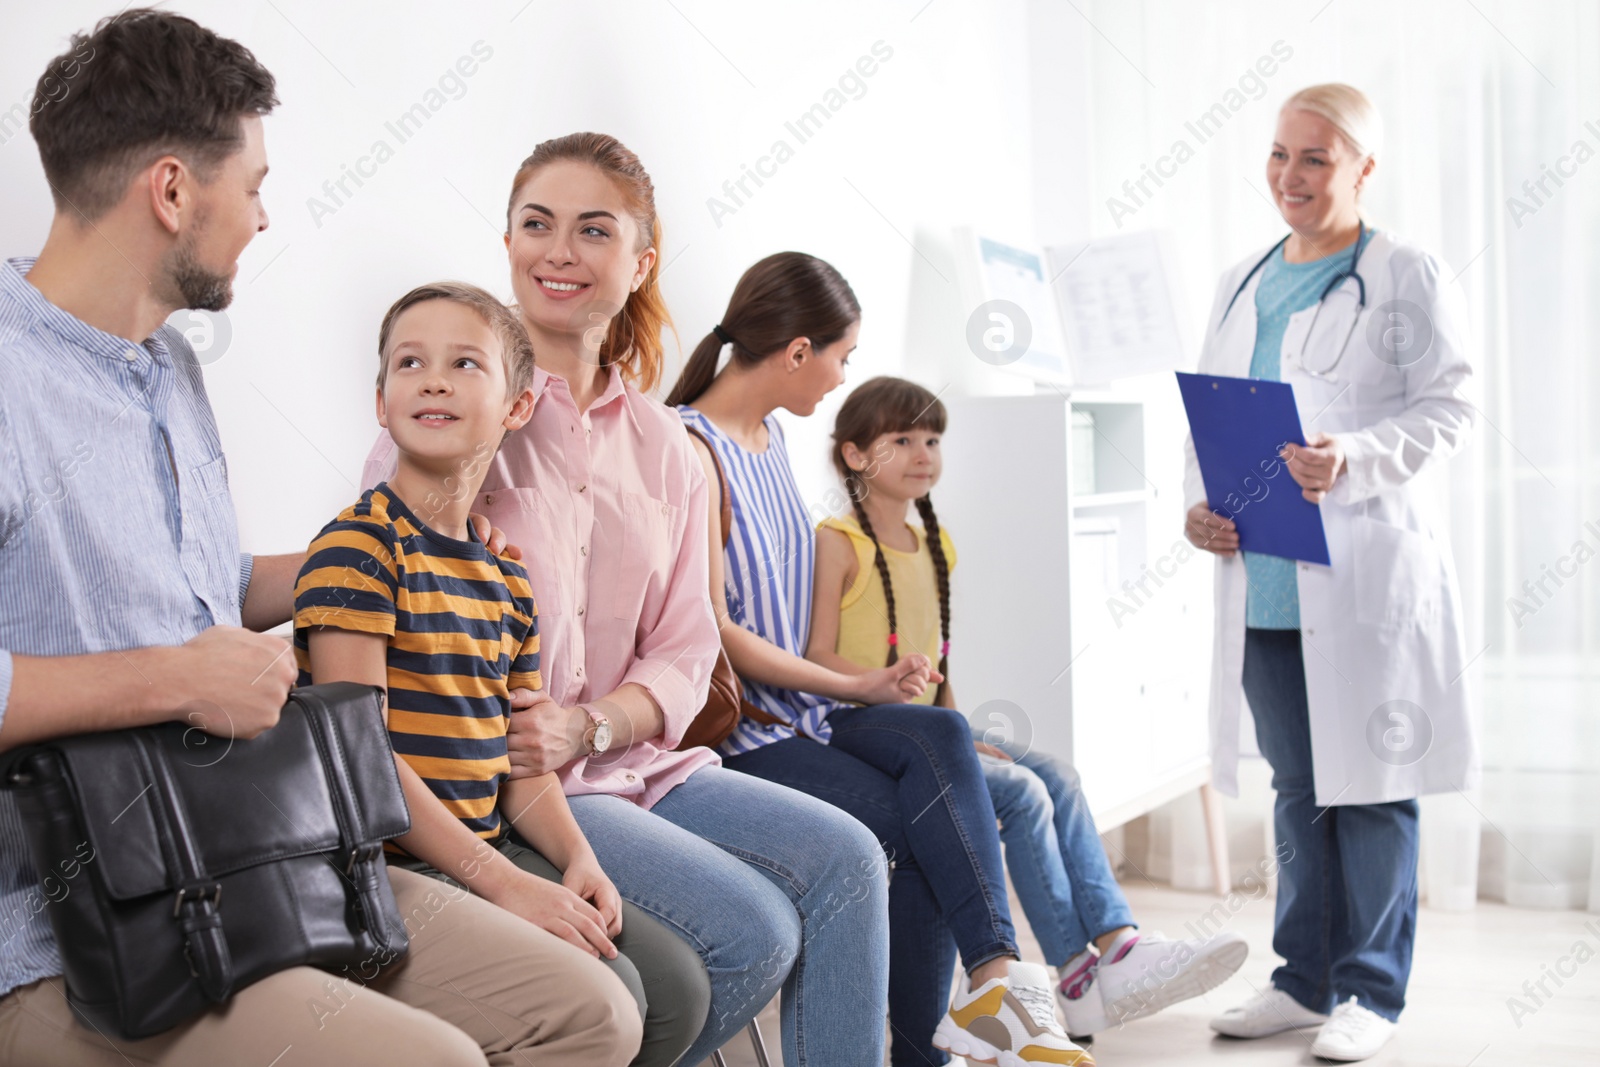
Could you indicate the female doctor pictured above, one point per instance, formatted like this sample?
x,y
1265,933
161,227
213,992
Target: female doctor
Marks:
x,y
1350,669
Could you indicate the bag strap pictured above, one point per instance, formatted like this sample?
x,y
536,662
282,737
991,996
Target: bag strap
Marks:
x,y
197,908
364,867
725,500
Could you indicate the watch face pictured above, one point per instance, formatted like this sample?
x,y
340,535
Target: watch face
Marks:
x,y
602,737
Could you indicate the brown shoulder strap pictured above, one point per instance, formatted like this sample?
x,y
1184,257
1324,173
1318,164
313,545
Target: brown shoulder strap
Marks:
x,y
722,485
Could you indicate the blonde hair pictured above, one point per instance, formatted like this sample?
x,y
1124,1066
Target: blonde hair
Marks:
x,y
1347,109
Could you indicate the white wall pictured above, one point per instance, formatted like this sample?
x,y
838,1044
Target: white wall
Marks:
x,y
698,89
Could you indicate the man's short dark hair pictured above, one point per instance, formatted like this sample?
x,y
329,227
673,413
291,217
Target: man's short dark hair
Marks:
x,y
143,85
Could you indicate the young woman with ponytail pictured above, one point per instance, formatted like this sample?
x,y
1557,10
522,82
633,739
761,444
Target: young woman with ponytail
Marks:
x,y
760,887
850,736
882,591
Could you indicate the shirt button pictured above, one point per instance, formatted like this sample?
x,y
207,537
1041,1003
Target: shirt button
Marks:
x,y
582,487
580,611
583,550
632,777
580,672
489,499
130,355
663,509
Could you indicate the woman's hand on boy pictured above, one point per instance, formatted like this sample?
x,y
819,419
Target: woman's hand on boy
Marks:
x,y
543,736
493,538
584,877
554,907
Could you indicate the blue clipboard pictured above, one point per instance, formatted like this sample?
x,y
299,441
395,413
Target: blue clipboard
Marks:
x,y
1238,426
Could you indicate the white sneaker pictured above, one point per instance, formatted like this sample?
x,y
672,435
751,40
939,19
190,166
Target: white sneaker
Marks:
x,y
1271,1011
1352,1033
1078,997
1144,973
1010,1022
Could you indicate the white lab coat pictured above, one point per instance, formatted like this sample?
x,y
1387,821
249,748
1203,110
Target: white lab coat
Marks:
x,y
1383,622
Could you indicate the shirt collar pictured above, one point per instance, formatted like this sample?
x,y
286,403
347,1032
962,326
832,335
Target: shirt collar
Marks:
x,y
15,286
617,390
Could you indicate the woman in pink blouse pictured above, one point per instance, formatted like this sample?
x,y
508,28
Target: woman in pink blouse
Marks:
x,y
771,888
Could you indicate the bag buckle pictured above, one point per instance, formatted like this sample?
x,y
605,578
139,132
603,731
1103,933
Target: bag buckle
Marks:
x,y
214,891
363,854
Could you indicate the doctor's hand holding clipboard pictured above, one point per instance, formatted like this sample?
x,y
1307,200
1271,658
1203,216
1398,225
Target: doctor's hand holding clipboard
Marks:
x,y
1245,434
1350,669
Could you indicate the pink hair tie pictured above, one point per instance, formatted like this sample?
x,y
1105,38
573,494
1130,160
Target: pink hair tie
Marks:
x,y
894,639
944,649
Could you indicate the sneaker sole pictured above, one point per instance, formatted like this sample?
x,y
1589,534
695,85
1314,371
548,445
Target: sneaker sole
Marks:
x,y
1346,1057
1350,1055
1280,1027
1202,976
969,1048
1276,1024
958,1042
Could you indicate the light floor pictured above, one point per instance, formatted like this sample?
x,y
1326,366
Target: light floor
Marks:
x,y
1467,966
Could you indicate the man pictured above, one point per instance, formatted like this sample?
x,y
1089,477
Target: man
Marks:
x,y
122,589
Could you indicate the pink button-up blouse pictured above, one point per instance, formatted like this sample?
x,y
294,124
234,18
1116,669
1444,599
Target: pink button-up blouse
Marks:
x,y
609,509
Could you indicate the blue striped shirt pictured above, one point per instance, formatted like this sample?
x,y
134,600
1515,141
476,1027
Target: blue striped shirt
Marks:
x,y
116,527
768,568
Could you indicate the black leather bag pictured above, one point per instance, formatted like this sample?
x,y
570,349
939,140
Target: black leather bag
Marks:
x,y
180,868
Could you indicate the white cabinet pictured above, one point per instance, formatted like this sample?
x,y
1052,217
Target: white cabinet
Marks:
x,y
1081,621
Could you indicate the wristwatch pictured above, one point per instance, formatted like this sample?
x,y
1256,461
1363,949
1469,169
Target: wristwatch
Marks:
x,y
598,737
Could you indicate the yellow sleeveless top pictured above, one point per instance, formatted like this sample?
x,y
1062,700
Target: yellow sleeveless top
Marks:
x,y
864,613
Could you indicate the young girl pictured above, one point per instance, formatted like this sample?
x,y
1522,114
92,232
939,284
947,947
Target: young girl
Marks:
x,y
882,593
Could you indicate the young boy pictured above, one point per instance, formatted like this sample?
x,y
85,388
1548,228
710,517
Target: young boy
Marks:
x,y
399,591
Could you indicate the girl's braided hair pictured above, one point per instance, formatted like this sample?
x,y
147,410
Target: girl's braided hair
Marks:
x,y
881,406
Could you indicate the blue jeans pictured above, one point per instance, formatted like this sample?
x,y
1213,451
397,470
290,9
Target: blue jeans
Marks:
x,y
910,773
1347,896
775,891
1057,863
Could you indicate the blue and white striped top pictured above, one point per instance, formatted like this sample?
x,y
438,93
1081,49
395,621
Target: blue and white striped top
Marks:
x,y
116,528
768,568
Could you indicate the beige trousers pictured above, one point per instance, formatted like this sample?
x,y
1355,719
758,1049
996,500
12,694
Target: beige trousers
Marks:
x,y
479,985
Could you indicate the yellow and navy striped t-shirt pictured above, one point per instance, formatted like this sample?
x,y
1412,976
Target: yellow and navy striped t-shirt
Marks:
x,y
463,632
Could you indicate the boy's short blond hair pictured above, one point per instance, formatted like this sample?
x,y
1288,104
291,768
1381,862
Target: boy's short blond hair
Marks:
x,y
515,346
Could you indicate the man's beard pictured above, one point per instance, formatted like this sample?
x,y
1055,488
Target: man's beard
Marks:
x,y
194,285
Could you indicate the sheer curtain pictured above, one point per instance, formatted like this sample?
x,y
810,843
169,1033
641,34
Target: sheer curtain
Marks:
x,y
1492,161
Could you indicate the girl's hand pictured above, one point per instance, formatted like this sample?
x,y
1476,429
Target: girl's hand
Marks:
x,y
1316,465
556,908
1210,531
898,683
585,878
990,750
919,673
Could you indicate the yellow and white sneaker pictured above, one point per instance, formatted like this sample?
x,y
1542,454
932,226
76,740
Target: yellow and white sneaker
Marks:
x,y
1009,1022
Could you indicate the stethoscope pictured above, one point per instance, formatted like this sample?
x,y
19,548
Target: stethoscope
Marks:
x,y
1335,282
